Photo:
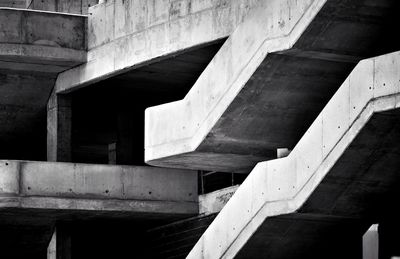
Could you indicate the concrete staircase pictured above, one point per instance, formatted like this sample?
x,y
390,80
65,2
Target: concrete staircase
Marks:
x,y
340,177
276,72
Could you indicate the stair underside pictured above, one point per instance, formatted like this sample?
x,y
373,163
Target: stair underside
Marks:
x,y
359,190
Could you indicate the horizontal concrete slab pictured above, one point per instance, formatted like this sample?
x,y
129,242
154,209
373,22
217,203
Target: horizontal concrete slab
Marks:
x,y
368,99
68,186
41,41
124,35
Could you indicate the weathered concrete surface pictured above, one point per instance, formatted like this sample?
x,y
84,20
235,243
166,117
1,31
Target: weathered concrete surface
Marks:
x,y
34,47
371,243
14,3
64,186
41,41
268,87
343,169
59,128
214,202
63,6
126,34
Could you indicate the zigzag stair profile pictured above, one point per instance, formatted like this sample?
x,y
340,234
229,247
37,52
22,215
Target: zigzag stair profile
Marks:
x,y
276,72
335,181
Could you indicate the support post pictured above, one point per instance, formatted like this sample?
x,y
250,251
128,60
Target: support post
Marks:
x,y
60,244
371,243
59,129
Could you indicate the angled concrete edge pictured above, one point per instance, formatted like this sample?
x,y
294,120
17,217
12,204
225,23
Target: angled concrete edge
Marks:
x,y
281,186
124,35
41,39
179,127
68,186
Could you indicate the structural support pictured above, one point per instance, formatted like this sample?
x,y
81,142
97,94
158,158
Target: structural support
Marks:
x,y
371,243
59,117
60,244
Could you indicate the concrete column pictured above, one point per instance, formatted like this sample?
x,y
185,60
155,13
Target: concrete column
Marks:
x,y
371,243
59,129
60,244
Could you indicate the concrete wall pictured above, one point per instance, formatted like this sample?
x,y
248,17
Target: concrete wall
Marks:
x,y
14,3
126,34
63,6
282,186
44,29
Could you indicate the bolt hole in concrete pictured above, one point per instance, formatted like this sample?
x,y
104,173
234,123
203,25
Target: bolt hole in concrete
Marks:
x,y
6,164
150,192
29,188
107,191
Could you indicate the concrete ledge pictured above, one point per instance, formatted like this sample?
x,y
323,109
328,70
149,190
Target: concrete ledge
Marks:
x,y
67,186
178,128
126,34
282,186
37,40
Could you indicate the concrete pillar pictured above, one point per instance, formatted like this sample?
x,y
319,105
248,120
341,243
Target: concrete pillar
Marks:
x,y
371,243
60,243
59,129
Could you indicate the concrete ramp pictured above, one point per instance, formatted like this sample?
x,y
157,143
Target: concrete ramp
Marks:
x,y
70,189
267,83
336,179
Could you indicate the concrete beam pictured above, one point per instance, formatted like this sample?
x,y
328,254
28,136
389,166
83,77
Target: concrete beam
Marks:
x,y
97,188
41,41
124,35
173,142
59,128
282,186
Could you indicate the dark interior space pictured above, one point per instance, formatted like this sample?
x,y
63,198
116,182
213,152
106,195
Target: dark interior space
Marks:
x,y
108,117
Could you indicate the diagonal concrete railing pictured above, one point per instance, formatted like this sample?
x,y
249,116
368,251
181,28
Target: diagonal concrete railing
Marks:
x,y
72,187
178,128
282,186
123,35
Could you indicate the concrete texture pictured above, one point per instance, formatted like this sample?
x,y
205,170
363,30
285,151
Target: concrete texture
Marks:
x,y
335,172
14,3
34,47
118,42
214,202
63,6
268,88
59,128
371,243
74,187
41,41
